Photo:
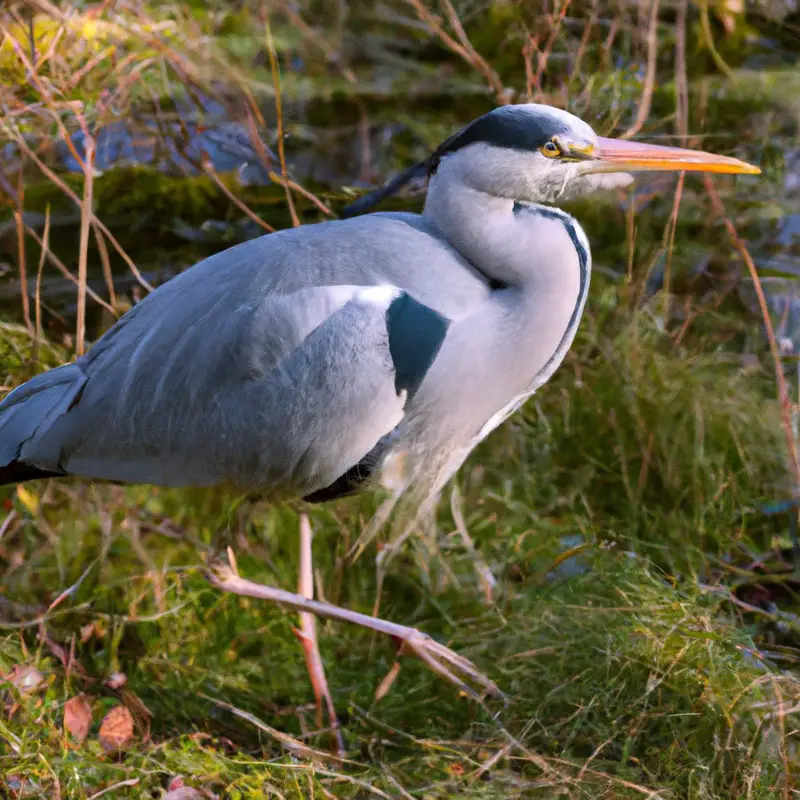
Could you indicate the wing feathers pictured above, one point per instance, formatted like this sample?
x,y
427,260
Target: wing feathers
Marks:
x,y
27,413
289,394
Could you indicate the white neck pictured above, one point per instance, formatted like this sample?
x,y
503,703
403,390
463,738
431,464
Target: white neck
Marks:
x,y
538,263
511,243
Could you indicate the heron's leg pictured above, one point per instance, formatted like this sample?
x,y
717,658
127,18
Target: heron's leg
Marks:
x,y
307,634
440,659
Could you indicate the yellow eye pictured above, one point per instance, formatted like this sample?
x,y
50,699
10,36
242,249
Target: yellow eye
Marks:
x,y
551,150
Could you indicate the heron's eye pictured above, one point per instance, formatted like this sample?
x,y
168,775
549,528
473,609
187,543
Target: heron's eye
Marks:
x,y
551,150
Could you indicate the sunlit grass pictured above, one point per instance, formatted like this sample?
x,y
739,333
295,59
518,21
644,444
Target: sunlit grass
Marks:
x,y
622,674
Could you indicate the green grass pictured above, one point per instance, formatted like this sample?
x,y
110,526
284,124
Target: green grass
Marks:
x,y
623,675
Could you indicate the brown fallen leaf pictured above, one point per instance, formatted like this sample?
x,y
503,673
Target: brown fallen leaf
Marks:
x,y
78,717
116,730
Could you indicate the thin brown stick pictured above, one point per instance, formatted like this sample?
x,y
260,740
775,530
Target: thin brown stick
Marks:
x,y
306,30
650,74
81,73
42,258
780,379
106,262
59,265
475,57
530,47
296,187
681,73
672,227
83,246
53,178
308,636
482,570
291,744
787,775
464,48
208,168
584,42
23,271
276,82
544,54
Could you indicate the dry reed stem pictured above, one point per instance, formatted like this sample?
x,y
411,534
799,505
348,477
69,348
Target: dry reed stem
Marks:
x,y
59,265
584,42
681,72
780,379
787,786
106,264
53,178
672,227
23,272
292,745
307,634
555,24
708,36
83,246
650,73
276,81
528,48
42,259
308,32
208,168
462,48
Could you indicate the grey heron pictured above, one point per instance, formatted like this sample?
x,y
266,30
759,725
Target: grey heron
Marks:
x,y
378,350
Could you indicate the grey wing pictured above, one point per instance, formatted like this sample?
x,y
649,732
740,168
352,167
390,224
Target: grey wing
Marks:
x,y
284,395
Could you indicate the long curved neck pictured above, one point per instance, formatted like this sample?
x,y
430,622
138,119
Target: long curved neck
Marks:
x,y
477,224
511,243
537,255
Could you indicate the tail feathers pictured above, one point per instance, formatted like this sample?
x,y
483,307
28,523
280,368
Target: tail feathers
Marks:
x,y
28,412
19,472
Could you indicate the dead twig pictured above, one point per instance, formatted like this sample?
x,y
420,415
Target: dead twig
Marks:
x,y
83,246
307,634
463,47
780,379
649,76
276,80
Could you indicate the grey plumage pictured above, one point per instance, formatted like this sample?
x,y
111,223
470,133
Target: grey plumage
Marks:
x,y
314,360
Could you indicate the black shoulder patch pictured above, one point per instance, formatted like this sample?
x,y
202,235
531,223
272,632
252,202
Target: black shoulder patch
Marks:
x,y
508,126
416,333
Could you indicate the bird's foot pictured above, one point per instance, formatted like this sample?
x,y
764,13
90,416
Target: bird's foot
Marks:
x,y
443,661
447,663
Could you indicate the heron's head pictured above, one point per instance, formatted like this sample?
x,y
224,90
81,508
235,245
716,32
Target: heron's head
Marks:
x,y
542,154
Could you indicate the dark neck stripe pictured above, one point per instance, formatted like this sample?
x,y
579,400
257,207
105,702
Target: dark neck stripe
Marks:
x,y
584,265
569,224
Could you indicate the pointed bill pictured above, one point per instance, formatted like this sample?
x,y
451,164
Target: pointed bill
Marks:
x,y
619,155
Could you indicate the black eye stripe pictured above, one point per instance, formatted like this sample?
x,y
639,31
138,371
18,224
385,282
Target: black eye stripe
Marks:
x,y
512,127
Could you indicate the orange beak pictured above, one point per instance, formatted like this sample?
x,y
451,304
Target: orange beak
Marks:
x,y
619,155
